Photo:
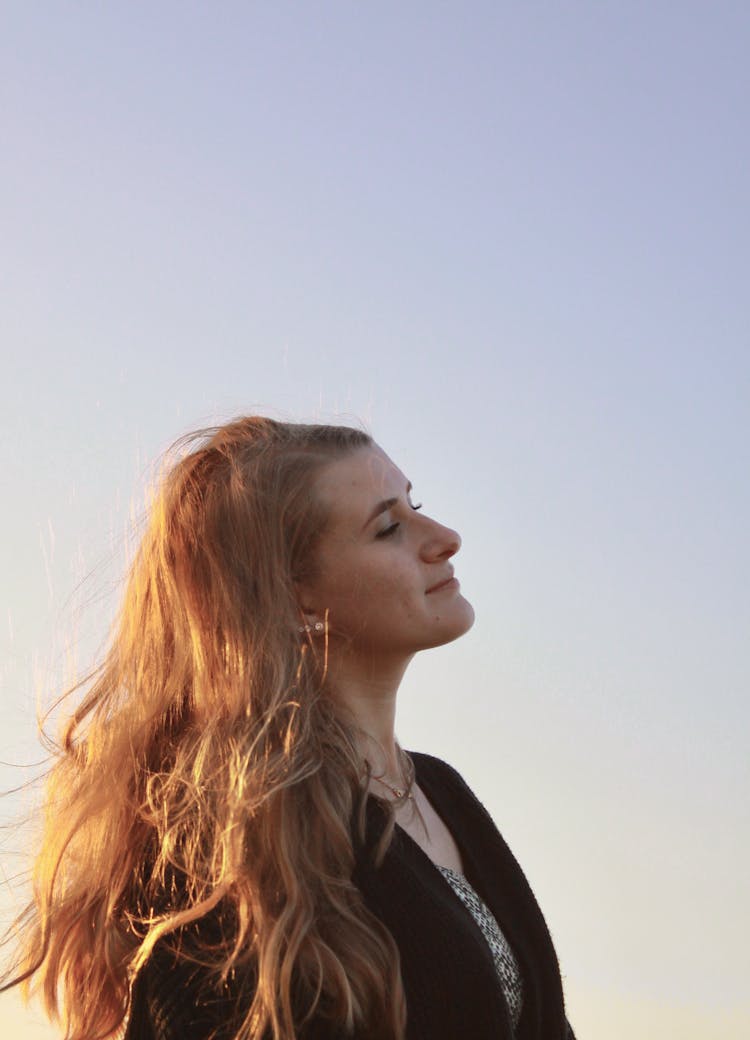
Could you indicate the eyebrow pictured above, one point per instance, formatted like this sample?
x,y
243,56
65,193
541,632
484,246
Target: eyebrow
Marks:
x,y
386,504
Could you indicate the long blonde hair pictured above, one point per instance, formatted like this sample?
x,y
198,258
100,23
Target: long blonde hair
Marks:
x,y
206,769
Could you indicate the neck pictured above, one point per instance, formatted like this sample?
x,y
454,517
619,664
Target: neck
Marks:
x,y
368,690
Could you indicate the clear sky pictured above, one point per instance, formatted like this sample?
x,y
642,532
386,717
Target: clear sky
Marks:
x,y
513,239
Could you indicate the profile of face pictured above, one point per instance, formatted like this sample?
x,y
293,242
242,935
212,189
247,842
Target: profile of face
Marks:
x,y
383,568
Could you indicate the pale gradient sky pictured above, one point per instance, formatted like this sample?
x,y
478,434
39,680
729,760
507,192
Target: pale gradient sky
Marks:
x,y
514,240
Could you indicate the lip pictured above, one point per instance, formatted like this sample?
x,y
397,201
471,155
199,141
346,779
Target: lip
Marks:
x,y
449,583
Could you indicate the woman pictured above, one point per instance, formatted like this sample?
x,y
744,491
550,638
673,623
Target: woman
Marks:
x,y
235,845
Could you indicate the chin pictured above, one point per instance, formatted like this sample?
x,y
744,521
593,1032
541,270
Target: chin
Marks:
x,y
468,617
458,624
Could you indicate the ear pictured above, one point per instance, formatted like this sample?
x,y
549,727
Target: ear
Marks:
x,y
305,597
310,619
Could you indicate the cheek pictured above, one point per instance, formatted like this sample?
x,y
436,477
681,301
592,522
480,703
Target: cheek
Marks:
x,y
398,593
376,595
379,599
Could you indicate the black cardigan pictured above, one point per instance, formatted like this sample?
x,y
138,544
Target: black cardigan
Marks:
x,y
450,981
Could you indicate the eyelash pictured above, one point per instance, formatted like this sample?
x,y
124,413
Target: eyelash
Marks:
x,y
394,527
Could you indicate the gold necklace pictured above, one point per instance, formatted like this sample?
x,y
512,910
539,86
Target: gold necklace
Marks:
x,y
394,790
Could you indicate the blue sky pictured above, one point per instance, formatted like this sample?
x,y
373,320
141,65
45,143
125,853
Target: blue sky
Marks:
x,y
512,239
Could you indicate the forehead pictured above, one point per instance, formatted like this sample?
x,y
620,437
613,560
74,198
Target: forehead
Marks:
x,y
351,486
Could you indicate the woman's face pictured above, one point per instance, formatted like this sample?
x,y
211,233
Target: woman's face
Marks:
x,y
384,570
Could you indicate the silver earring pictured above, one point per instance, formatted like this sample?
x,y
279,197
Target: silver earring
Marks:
x,y
317,627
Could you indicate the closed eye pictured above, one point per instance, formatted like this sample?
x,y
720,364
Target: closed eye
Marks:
x,y
388,531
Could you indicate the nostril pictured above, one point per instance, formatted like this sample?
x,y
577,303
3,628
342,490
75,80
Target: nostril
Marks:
x,y
443,545
455,542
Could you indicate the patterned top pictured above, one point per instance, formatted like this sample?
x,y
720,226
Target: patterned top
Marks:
x,y
506,964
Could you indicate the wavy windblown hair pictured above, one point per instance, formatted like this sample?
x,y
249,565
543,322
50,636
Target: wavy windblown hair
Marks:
x,y
206,771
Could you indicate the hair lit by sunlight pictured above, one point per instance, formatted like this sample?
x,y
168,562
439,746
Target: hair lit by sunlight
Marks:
x,y
204,771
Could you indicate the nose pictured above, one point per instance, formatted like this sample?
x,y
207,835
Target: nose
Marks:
x,y
440,543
